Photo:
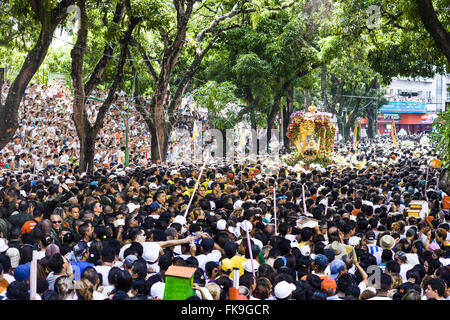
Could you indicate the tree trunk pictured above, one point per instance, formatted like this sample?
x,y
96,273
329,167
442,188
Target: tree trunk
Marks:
x,y
347,130
444,181
87,132
371,125
170,59
160,129
307,98
87,151
271,120
224,143
323,88
254,129
287,115
155,153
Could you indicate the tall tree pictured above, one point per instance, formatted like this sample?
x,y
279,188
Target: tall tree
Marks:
x,y
439,30
352,90
192,32
39,17
265,59
406,38
86,130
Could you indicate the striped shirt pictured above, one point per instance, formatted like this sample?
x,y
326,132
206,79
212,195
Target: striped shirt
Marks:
x,y
376,251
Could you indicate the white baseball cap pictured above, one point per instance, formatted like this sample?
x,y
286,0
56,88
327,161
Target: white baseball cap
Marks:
x,y
151,251
305,250
3,245
14,256
221,224
354,241
153,186
179,219
248,265
132,207
283,289
291,237
245,225
157,290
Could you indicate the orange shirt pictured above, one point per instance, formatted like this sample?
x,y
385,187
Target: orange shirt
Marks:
x,y
29,225
3,285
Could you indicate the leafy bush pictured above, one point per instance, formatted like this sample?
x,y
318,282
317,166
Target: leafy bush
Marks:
x,y
441,135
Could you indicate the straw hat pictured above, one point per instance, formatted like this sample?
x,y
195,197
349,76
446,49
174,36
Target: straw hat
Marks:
x,y
387,242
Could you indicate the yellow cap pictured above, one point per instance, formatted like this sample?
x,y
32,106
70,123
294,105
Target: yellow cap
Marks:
x,y
226,265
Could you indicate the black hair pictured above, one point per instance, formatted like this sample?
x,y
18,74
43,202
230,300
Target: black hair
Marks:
x,y
18,290
50,295
438,285
91,274
140,268
385,282
56,263
393,266
123,281
108,253
344,282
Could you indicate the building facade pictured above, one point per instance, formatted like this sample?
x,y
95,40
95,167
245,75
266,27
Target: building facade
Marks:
x,y
414,104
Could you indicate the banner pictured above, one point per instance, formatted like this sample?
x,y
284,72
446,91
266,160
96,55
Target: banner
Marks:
x,y
60,78
394,133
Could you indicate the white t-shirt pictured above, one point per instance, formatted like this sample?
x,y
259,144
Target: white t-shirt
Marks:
x,y
238,204
122,250
256,241
106,291
403,269
445,262
412,259
97,296
40,255
9,277
103,270
379,298
214,256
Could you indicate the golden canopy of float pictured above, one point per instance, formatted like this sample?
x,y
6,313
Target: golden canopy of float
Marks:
x,y
312,134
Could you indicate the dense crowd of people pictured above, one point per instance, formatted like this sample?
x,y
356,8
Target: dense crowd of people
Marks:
x,y
114,234
340,232
47,135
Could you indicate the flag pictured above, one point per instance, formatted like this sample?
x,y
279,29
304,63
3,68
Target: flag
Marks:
x,y
394,133
195,132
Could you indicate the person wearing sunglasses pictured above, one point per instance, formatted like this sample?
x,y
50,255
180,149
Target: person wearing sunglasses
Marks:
x,y
56,221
